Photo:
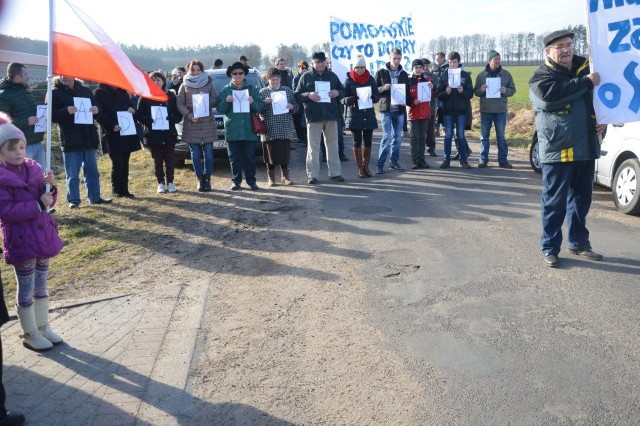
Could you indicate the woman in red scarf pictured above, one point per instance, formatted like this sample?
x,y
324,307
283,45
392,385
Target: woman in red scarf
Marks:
x,y
361,93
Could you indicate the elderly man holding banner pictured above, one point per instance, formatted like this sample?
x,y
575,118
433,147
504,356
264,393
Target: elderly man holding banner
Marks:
x,y
561,91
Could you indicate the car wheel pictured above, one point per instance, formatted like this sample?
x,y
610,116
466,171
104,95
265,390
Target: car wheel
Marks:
x,y
626,187
534,157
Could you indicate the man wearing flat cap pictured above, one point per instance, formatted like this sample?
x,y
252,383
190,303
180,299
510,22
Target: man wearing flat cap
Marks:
x,y
561,92
493,110
321,112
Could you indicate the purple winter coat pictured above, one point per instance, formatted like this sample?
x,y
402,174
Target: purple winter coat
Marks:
x,y
27,232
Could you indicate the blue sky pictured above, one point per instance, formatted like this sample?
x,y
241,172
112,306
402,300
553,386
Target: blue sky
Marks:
x,y
124,20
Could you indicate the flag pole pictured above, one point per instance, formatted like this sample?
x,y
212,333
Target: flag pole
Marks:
x,y
49,88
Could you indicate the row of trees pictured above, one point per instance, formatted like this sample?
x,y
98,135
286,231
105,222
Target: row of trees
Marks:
x,y
524,48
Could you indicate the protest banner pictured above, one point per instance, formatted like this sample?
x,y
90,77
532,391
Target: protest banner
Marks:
x,y
373,41
614,35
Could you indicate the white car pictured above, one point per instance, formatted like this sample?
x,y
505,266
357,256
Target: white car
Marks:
x,y
617,168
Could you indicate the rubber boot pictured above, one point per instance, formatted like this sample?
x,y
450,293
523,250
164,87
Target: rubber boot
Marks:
x,y
207,184
271,177
41,307
285,177
357,154
366,156
32,338
200,183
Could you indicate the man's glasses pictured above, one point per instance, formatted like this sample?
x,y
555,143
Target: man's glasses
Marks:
x,y
562,46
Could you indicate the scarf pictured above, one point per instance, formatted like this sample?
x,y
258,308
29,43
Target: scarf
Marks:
x,y
360,79
491,72
196,81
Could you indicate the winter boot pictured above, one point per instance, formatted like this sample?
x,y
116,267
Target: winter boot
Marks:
x,y
207,184
41,307
200,183
32,338
366,156
285,177
271,177
357,154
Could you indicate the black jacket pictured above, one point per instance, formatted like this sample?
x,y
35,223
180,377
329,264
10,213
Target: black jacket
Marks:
x,y
110,100
359,119
383,76
73,137
159,137
454,103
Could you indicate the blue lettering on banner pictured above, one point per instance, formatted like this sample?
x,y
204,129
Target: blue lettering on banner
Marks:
x,y
608,4
358,30
610,93
623,29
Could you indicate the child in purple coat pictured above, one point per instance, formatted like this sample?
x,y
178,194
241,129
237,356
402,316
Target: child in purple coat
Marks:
x,y
29,234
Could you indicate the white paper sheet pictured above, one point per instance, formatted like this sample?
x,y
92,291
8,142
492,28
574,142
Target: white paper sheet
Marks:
x,y
83,115
125,121
200,103
159,116
493,87
454,77
364,97
424,92
41,125
279,104
322,89
240,100
398,94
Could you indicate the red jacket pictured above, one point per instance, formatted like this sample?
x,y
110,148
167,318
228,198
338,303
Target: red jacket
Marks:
x,y
421,111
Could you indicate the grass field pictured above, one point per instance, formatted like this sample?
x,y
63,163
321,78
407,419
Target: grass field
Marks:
x,y
520,78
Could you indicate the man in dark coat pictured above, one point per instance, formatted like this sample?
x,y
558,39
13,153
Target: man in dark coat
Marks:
x,y
561,92
79,142
17,101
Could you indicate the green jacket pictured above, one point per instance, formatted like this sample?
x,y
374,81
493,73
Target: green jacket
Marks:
x,y
494,105
237,125
17,101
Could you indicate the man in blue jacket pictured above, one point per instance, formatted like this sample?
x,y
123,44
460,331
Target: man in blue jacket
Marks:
x,y
561,91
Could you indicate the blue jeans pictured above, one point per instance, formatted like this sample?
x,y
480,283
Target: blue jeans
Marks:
x,y
36,152
499,120
242,157
85,159
196,158
392,124
567,189
460,122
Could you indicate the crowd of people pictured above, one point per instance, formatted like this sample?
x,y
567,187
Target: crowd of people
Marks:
x,y
307,104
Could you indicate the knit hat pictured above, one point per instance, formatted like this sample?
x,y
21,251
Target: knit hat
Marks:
x,y
8,131
492,54
416,63
360,62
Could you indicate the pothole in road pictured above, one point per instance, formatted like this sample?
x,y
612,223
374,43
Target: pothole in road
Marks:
x,y
370,209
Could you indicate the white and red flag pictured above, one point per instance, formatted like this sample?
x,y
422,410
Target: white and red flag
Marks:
x,y
80,48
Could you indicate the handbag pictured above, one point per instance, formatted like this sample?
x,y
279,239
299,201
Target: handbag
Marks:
x,y
258,125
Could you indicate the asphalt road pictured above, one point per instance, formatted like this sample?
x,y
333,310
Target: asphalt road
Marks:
x,y
459,287
421,297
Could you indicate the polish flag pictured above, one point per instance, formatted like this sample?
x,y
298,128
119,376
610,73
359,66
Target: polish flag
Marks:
x,y
82,49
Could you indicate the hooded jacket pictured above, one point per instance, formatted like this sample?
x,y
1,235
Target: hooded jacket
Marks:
x,y
28,232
